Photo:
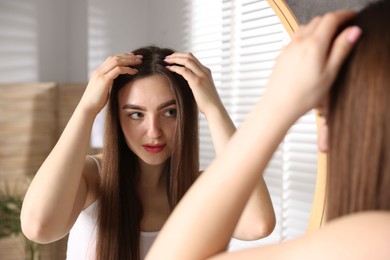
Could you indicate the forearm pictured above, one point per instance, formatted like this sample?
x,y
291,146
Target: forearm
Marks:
x,y
51,197
258,218
221,127
203,222
206,96
59,190
236,171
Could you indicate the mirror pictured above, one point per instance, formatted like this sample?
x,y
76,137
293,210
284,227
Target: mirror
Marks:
x,y
63,41
292,13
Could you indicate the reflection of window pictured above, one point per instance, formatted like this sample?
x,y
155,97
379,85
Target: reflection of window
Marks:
x,y
98,50
239,41
18,42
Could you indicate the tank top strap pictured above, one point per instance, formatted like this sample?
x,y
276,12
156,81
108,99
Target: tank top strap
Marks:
x,y
97,163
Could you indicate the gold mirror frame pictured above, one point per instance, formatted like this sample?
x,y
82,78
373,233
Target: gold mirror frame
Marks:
x,y
291,24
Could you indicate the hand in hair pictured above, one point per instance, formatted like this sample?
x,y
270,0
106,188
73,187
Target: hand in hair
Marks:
x,y
308,66
201,82
258,218
302,76
199,78
95,96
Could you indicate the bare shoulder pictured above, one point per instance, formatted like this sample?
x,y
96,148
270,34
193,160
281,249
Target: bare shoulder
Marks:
x,y
358,236
92,165
369,224
374,218
91,173
362,235
99,157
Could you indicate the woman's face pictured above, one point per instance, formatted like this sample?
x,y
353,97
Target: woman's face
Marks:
x,y
147,114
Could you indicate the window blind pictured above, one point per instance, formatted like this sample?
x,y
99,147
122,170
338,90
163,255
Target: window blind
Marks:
x,y
18,42
239,41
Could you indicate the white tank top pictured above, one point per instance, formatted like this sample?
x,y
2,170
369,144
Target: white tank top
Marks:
x,y
82,236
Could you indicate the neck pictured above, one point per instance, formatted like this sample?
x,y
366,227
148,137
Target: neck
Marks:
x,y
152,176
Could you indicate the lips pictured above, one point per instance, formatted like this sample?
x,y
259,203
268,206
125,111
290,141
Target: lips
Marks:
x,y
154,148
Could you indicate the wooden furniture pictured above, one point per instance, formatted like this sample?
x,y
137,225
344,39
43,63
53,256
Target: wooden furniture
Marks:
x,y
32,117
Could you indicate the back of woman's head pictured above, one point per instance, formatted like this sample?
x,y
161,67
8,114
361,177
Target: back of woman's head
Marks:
x,y
359,120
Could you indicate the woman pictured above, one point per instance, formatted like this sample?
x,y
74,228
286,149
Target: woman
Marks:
x,y
114,204
359,139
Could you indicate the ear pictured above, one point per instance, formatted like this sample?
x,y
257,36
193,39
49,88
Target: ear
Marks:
x,y
322,113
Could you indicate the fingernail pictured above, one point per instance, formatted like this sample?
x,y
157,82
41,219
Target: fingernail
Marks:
x,y
139,56
354,34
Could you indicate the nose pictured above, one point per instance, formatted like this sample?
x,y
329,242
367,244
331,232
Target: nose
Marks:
x,y
154,127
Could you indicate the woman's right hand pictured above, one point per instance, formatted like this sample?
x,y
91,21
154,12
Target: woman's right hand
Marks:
x,y
307,66
96,94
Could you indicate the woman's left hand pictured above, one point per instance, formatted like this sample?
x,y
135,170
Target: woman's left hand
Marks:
x,y
198,77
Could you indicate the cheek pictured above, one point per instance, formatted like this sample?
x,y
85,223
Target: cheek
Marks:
x,y
129,130
170,130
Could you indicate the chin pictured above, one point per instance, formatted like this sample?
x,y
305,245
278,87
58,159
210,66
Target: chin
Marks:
x,y
154,162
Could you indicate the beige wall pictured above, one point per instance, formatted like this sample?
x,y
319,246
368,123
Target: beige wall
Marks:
x,y
32,117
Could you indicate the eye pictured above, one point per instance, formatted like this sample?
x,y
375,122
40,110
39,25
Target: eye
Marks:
x,y
136,115
170,112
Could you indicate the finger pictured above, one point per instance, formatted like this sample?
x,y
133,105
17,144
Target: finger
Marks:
x,y
114,73
196,68
182,55
189,61
128,55
342,46
185,72
118,62
329,24
122,60
307,29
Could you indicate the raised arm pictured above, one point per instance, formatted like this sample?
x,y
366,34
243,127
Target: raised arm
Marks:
x,y
354,237
67,180
204,220
209,103
258,218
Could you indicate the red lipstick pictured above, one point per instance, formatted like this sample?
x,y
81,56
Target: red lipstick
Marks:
x,y
153,148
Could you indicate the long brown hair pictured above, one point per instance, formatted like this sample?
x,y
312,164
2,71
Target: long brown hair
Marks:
x,y
120,207
359,120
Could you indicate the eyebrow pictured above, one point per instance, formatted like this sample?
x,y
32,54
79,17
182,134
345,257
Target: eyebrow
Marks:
x,y
161,106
